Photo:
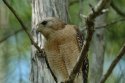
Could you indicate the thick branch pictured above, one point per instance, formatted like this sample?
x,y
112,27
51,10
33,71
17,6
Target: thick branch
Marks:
x,y
120,12
90,29
23,26
14,33
113,64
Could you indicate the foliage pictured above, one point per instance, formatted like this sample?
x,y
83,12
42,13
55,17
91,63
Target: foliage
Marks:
x,y
17,46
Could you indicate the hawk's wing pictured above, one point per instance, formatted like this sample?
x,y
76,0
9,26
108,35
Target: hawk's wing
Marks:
x,y
85,66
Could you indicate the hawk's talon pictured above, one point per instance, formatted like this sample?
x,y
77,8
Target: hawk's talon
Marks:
x,y
40,54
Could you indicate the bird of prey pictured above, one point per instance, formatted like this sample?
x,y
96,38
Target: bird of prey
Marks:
x,y
62,48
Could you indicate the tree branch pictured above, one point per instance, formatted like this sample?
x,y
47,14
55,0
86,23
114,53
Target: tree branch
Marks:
x,y
23,26
90,30
5,38
29,35
113,64
107,25
117,9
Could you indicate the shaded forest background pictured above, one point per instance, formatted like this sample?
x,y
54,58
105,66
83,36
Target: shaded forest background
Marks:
x,y
15,48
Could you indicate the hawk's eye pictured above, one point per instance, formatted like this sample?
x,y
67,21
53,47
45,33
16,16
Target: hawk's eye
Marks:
x,y
44,22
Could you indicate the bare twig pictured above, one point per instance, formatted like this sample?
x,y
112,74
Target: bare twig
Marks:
x,y
107,25
90,30
14,33
23,26
120,12
113,64
92,8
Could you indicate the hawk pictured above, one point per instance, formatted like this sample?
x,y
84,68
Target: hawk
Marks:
x,y
62,47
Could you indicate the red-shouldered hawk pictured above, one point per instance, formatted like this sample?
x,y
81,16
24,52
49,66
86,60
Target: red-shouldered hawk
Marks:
x,y
62,47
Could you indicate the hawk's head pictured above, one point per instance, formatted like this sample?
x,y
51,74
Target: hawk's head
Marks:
x,y
50,25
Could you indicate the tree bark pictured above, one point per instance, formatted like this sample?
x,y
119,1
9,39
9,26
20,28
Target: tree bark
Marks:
x,y
41,9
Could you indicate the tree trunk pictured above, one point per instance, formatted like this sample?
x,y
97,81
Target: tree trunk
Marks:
x,y
40,10
98,45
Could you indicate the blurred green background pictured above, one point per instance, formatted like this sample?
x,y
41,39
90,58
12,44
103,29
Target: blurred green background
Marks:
x,y
15,47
